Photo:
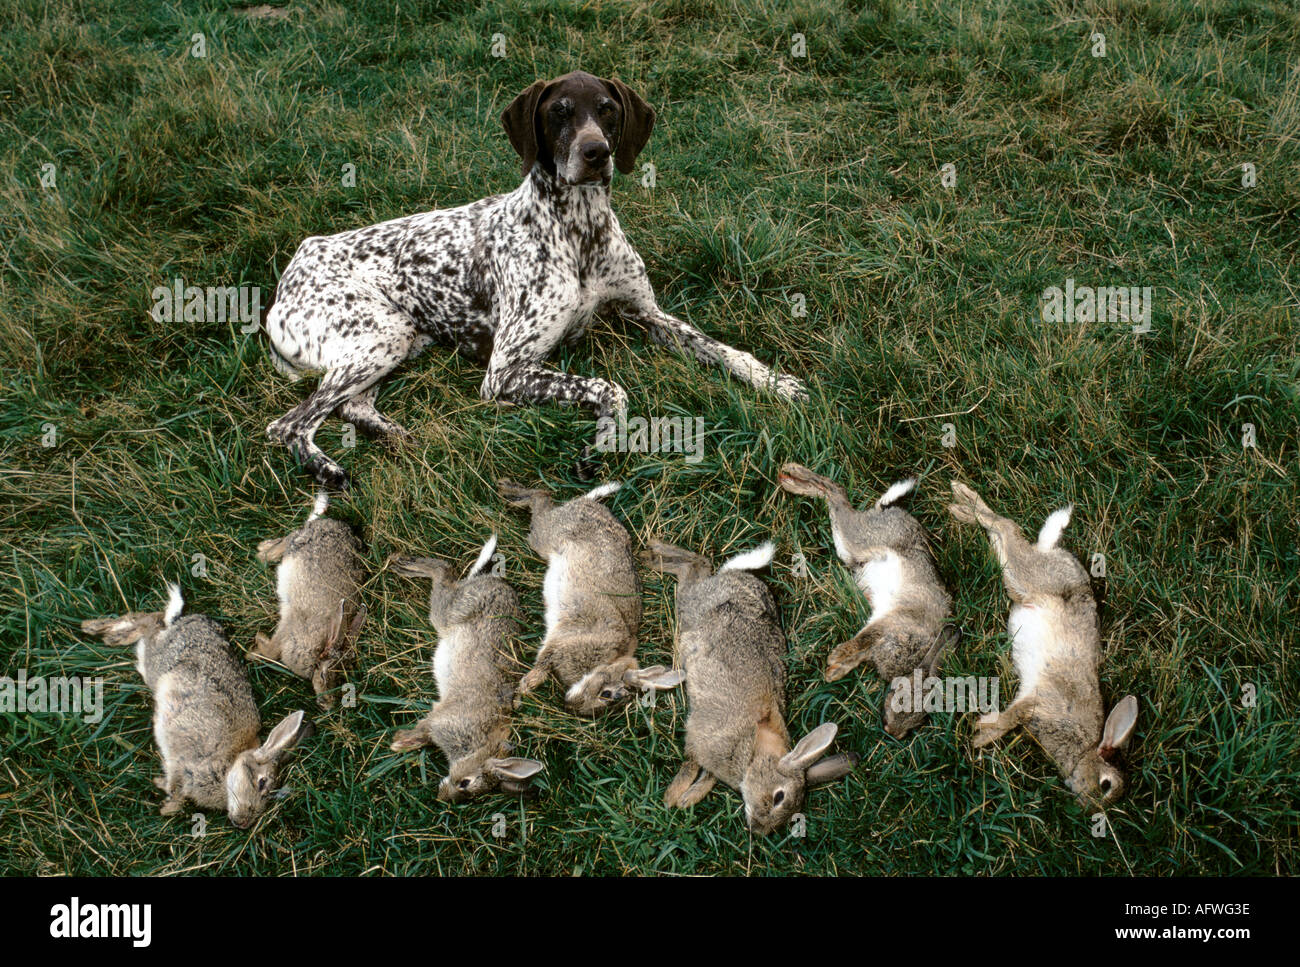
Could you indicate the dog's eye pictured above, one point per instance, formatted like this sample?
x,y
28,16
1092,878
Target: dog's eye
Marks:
x,y
560,109
605,108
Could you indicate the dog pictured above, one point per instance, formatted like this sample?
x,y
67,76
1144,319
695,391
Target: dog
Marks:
x,y
503,280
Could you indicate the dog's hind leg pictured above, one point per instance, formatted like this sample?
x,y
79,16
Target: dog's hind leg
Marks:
x,y
354,367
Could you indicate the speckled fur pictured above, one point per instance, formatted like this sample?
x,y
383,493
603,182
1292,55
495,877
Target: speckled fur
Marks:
x,y
904,632
504,280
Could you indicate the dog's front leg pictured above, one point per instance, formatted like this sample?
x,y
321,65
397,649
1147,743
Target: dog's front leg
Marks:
x,y
526,337
513,382
667,330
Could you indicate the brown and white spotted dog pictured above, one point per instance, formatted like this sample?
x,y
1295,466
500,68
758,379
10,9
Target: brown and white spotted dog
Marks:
x,y
503,280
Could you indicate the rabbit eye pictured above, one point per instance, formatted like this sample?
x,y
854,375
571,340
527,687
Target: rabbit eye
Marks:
x,y
1105,785
464,784
261,784
606,693
778,797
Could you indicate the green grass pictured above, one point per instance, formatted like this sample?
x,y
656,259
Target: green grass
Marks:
x,y
776,175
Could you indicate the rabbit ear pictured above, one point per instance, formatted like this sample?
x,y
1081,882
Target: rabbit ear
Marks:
x,y
513,768
943,643
282,738
358,620
336,625
515,788
655,677
830,768
809,749
1119,725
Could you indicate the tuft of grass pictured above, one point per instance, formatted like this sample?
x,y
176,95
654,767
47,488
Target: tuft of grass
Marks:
x,y
777,177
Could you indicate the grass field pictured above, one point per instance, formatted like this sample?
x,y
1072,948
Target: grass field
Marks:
x,y
776,175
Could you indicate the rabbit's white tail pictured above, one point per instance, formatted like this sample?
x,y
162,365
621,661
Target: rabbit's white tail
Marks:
x,y
759,557
896,492
1052,528
175,604
318,509
603,491
484,556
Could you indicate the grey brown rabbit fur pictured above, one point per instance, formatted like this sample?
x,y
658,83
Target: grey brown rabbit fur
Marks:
x,y
477,620
733,651
205,721
321,614
1056,648
886,549
593,601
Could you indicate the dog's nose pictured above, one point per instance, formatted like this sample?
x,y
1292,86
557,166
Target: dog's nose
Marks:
x,y
595,152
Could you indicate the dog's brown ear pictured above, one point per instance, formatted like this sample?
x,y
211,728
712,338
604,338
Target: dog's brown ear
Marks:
x,y
634,132
520,122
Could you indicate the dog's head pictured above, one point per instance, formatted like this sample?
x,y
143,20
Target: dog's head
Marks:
x,y
579,127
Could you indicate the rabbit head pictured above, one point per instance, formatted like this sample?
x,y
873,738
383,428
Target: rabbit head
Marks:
x,y
254,776
774,785
610,685
478,775
1097,778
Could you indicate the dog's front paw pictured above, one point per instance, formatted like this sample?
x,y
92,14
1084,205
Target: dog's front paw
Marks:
x,y
331,476
789,388
398,440
613,403
279,431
